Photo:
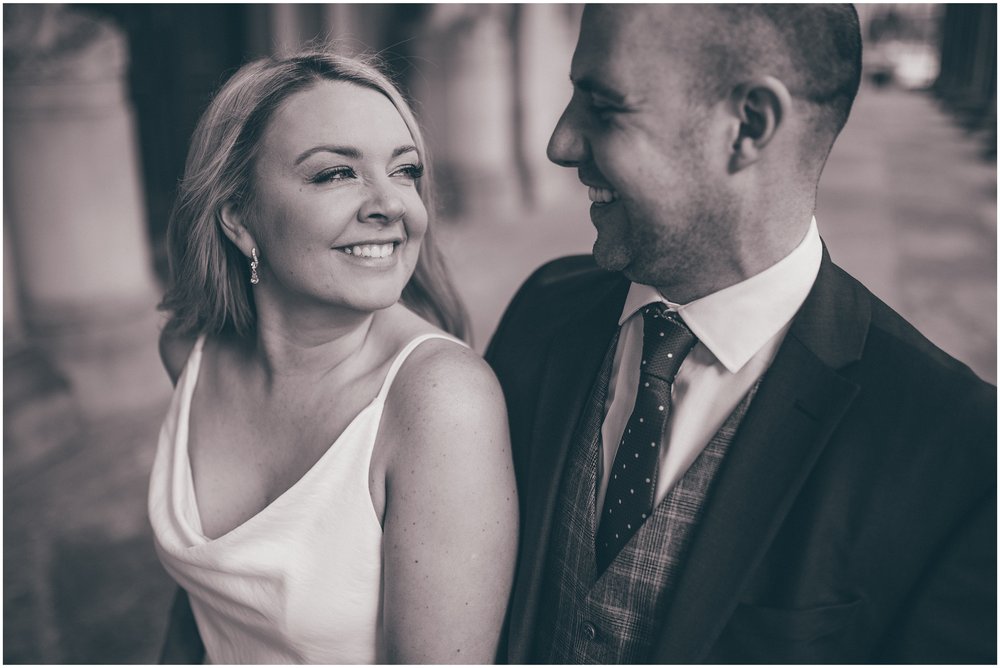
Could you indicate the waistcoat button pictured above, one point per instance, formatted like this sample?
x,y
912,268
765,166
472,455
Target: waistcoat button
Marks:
x,y
589,631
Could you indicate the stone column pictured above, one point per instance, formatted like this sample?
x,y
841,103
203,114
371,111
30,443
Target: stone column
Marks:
x,y
544,39
13,330
346,29
464,88
281,29
76,215
40,414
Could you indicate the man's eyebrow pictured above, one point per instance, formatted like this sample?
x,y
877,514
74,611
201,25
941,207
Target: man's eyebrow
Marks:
x,y
349,151
589,85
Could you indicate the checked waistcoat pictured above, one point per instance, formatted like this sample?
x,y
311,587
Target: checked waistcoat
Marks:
x,y
614,617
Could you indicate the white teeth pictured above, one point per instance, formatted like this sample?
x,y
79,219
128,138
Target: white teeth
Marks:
x,y
601,195
371,250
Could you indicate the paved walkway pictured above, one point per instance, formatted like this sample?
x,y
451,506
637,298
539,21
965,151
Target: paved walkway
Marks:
x,y
905,205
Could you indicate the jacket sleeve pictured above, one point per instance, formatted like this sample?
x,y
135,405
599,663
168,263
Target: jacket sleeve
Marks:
x,y
951,615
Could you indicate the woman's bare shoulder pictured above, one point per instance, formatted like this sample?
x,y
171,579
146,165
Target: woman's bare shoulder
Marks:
x,y
444,396
442,375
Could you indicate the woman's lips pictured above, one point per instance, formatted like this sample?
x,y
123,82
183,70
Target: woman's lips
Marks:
x,y
370,250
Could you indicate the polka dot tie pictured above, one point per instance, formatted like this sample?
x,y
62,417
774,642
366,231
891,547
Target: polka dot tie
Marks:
x,y
666,341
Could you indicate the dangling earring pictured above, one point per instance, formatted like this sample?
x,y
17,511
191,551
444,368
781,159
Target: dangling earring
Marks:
x,y
254,278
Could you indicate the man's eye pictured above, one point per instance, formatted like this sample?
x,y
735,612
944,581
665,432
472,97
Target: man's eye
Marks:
x,y
602,109
603,113
333,174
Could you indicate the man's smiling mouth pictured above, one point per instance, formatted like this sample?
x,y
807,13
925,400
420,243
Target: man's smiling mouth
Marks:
x,y
601,196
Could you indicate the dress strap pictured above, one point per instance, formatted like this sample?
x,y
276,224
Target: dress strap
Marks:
x,y
199,343
190,370
404,353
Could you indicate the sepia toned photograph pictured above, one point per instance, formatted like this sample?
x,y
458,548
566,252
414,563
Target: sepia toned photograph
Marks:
x,y
532,333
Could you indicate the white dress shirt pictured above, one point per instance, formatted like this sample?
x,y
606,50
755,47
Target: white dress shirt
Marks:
x,y
739,330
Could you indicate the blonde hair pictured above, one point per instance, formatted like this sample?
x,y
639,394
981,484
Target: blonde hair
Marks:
x,y
208,289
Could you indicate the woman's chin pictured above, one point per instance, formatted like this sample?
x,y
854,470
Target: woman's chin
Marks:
x,y
370,303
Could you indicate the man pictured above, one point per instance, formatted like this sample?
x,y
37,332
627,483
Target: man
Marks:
x,y
728,450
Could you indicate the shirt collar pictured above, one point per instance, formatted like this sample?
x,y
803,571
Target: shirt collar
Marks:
x,y
736,322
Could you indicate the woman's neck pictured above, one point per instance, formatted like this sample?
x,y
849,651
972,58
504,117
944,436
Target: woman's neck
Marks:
x,y
303,351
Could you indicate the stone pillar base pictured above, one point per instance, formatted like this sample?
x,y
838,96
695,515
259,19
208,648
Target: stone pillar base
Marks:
x,y
108,354
41,417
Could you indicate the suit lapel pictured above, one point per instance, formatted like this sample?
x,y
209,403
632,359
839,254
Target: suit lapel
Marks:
x,y
573,361
799,404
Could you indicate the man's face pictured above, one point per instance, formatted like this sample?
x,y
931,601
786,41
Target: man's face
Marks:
x,y
645,147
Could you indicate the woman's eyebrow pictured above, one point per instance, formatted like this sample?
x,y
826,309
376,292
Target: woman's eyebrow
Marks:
x,y
348,151
403,149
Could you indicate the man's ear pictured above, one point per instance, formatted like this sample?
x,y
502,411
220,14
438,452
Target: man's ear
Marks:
x,y
234,228
761,105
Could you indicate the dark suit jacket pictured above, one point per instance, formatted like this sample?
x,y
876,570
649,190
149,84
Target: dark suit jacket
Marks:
x,y
854,517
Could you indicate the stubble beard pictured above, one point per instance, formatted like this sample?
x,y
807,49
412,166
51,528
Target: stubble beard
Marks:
x,y
611,256
671,261
671,255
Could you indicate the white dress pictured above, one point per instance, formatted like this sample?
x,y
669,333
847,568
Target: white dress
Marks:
x,y
300,581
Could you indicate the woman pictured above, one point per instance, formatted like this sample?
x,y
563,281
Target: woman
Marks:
x,y
309,308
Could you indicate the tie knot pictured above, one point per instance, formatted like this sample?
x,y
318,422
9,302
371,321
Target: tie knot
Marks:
x,y
666,341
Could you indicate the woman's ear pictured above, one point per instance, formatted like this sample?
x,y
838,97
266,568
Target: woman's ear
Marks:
x,y
234,228
761,105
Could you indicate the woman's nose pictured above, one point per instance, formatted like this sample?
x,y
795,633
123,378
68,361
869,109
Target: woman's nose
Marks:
x,y
383,204
567,147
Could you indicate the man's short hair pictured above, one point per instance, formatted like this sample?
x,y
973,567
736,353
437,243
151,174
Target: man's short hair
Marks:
x,y
814,49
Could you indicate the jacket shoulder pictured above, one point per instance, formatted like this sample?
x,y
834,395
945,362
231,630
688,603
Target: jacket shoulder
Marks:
x,y
897,340
842,312
549,297
563,284
921,398
566,274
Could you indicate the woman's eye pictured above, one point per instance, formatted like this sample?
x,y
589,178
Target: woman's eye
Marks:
x,y
410,171
333,174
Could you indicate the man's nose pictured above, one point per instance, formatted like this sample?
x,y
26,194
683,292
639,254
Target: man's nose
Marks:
x,y
383,204
567,147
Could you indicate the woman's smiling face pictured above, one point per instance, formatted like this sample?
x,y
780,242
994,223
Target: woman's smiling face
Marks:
x,y
335,212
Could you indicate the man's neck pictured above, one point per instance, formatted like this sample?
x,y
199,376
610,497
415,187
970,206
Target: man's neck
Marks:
x,y
760,247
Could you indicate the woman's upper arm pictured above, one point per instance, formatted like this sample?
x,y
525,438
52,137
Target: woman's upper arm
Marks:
x,y
450,524
174,351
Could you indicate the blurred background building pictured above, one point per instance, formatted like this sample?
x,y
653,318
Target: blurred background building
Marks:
x,y
100,102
